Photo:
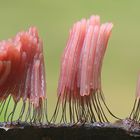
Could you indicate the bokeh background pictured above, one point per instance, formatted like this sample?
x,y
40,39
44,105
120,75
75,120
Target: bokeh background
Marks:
x,y
53,18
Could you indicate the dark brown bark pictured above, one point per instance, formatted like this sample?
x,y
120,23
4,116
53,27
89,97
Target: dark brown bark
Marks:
x,y
95,131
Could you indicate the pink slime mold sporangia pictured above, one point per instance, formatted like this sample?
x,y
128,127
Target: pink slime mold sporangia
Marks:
x,y
79,90
22,76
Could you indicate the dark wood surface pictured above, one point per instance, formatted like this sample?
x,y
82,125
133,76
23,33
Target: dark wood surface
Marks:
x,y
94,131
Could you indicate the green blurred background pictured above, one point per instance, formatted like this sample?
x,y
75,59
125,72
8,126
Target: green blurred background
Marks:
x,y
53,18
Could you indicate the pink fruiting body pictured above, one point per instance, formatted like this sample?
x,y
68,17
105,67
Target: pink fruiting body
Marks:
x,y
138,88
82,58
80,75
22,72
